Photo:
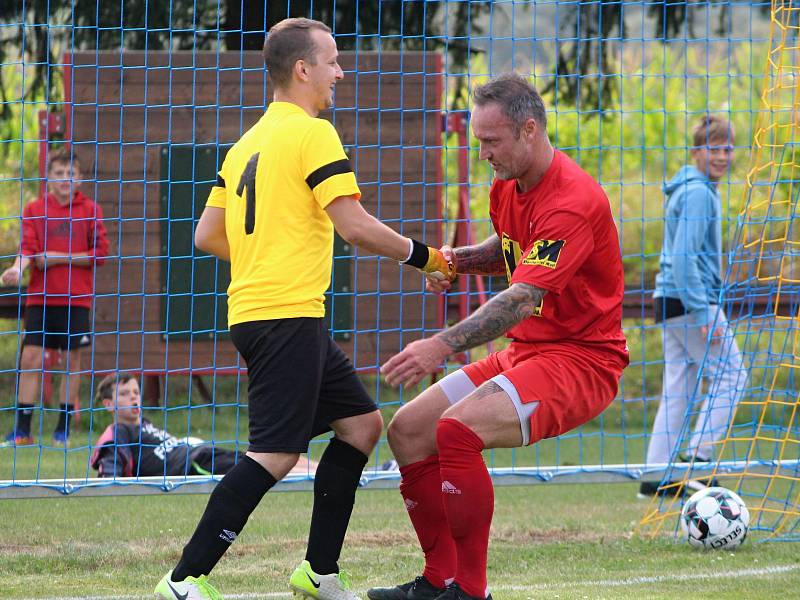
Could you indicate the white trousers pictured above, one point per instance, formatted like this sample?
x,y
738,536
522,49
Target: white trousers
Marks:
x,y
685,346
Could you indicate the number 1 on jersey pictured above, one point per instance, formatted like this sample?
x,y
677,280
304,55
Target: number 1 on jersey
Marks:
x,y
248,180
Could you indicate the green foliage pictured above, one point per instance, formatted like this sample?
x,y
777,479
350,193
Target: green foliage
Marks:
x,y
636,145
19,159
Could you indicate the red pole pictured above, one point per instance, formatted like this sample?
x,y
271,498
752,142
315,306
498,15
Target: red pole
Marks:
x,y
457,122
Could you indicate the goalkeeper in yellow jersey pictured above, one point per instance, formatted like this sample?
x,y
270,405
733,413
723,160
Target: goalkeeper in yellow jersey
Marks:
x,y
281,191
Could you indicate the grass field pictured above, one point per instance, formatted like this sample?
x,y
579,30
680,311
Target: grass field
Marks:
x,y
548,541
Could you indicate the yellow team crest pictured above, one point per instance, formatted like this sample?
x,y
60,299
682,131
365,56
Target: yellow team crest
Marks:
x,y
544,253
511,254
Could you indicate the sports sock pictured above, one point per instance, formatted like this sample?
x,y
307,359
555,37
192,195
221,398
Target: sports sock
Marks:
x,y
468,501
421,488
335,483
63,419
227,511
24,415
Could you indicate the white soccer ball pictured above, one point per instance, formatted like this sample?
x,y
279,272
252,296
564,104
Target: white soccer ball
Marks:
x,y
715,518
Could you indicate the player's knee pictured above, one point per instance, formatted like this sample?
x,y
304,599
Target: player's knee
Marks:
x,y
403,429
31,358
277,464
373,427
361,432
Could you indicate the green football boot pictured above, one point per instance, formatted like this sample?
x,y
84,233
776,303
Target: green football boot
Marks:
x,y
191,588
323,587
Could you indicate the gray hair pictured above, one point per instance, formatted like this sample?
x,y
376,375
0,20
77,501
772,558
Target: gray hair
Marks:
x,y
517,98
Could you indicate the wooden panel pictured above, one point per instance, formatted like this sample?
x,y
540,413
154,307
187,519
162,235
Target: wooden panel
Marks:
x,y
128,105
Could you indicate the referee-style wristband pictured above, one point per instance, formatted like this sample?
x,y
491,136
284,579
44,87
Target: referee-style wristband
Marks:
x,y
419,255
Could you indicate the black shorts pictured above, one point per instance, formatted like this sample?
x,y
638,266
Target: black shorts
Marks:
x,y
299,382
62,327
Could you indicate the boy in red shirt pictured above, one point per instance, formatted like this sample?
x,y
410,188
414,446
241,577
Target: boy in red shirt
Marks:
x,y
63,239
556,241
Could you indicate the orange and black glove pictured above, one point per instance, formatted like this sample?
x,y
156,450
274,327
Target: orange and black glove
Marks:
x,y
430,261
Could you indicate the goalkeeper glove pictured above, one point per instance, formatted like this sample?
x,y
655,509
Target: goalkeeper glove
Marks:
x,y
430,261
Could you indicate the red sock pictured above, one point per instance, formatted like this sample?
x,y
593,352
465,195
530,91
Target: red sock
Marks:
x,y
468,501
421,487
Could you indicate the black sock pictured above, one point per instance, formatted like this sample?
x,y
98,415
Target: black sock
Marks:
x,y
63,419
229,507
24,415
335,484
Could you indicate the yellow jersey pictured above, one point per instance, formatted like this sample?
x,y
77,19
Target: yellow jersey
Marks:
x,y
274,185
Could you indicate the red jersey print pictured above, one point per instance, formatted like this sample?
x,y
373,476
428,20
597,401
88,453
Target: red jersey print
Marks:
x,y
560,236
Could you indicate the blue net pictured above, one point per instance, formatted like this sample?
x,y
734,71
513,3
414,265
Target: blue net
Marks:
x,y
149,99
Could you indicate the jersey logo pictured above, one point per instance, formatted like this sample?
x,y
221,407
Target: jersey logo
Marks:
x,y
511,254
545,253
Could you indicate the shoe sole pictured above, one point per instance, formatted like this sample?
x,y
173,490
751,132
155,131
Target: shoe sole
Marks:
x,y
296,591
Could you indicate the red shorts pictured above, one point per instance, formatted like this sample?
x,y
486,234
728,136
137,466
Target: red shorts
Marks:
x,y
572,384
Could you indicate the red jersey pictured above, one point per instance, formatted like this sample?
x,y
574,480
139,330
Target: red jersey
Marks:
x,y
49,227
560,236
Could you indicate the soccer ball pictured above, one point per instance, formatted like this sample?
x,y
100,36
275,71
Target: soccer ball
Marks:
x,y
715,517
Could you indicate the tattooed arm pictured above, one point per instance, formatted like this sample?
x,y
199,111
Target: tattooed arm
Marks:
x,y
494,318
485,258
490,321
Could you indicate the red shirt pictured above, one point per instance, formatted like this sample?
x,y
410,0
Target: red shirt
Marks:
x,y
49,227
560,236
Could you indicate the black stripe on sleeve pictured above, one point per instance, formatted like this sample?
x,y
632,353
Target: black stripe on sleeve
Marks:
x,y
220,181
335,168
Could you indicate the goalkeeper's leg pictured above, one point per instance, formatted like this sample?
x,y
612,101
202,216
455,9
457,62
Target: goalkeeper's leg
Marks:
x,y
285,362
227,512
208,460
345,407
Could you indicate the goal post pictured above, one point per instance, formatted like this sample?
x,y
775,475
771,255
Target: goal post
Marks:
x,y
151,109
764,431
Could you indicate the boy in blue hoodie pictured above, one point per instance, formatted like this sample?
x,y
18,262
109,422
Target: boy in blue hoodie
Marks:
x,y
686,300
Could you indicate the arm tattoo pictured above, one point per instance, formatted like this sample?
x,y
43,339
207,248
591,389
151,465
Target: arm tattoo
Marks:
x,y
485,258
494,318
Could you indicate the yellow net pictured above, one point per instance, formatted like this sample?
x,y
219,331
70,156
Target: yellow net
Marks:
x,y
759,455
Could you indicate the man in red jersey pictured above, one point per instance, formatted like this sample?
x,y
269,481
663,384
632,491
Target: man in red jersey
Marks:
x,y
63,239
556,241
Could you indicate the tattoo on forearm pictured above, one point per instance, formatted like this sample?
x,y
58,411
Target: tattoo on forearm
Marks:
x,y
494,318
485,258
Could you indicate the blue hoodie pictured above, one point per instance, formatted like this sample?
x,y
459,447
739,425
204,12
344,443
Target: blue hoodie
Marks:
x,y
691,256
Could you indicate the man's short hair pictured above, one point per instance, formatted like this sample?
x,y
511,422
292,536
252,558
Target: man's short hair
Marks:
x,y
287,42
62,156
711,128
105,389
517,98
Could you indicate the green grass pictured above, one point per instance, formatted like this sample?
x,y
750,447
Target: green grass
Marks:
x,y
548,541
553,541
